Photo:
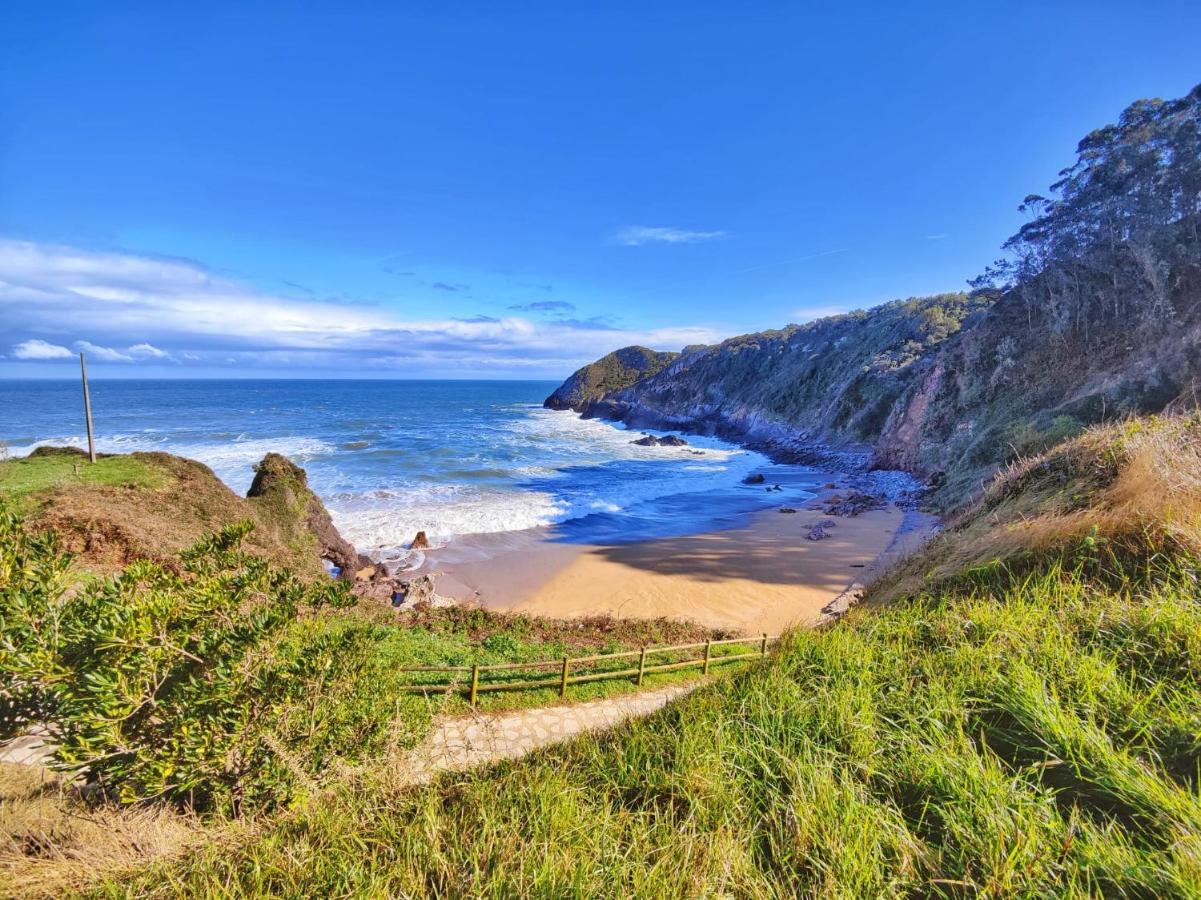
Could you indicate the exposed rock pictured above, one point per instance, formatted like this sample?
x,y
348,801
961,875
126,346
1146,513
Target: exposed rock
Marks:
x,y
757,478
787,509
281,489
669,441
817,533
841,604
852,503
420,590
420,542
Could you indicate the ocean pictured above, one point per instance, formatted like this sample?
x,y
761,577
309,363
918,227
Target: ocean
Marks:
x,y
390,458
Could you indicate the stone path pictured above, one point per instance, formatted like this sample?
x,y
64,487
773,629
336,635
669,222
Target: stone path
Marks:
x,y
467,741
29,749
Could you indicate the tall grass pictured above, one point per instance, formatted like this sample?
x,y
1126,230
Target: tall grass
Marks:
x,y
1026,721
1040,736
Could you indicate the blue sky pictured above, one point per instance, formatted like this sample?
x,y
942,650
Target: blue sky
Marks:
x,y
509,190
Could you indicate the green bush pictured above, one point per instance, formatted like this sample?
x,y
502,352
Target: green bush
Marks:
x,y
160,682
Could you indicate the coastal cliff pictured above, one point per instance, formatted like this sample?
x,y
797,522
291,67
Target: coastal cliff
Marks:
x,y
1094,314
610,373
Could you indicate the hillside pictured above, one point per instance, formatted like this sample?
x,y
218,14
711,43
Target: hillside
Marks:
x,y
617,370
1024,723
153,505
1094,314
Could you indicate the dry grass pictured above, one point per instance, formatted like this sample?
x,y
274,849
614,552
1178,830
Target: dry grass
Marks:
x,y
1133,488
52,841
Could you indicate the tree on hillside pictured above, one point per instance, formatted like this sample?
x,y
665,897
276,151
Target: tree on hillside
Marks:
x,y
1110,240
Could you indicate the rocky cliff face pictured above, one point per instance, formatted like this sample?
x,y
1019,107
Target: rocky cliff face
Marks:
x,y
801,392
947,387
1093,314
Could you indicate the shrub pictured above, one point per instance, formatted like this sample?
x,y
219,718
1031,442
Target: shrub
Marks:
x,y
159,681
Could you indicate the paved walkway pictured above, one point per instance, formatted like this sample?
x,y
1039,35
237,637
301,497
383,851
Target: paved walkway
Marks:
x,y
29,749
467,741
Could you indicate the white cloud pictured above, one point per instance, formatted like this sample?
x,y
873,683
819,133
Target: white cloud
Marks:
x,y
104,354
178,309
36,349
635,235
148,351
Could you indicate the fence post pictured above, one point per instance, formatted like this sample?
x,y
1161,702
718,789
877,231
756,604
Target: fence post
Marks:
x,y
563,680
708,650
475,681
763,648
641,666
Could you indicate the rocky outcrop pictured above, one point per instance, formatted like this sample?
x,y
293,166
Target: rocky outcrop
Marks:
x,y
670,440
610,373
281,491
165,504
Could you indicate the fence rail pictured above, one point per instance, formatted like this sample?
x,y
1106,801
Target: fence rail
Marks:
x,y
569,668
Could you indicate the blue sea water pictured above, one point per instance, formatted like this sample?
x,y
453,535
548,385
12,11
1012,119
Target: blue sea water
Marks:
x,y
390,458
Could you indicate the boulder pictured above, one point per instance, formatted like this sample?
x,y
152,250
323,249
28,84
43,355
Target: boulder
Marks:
x,y
852,504
757,478
787,509
669,441
421,542
419,590
817,533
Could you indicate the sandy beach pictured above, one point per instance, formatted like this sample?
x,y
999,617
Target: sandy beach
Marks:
x,y
763,575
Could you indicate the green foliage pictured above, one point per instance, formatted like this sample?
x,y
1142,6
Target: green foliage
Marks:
x,y
1032,735
229,686
613,372
1025,438
1133,194
156,682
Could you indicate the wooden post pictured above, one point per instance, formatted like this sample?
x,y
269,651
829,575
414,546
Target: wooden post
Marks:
x,y
763,648
475,682
708,650
87,408
641,666
563,680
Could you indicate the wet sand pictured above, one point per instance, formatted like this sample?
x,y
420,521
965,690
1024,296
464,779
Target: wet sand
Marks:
x,y
760,576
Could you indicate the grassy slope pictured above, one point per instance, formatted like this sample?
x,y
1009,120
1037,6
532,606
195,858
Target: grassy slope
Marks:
x,y
1030,728
145,505
347,716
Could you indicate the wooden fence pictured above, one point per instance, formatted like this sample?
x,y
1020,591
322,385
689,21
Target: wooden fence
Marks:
x,y
476,679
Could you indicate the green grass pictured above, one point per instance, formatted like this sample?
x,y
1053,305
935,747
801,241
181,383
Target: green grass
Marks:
x,y
1035,737
43,472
